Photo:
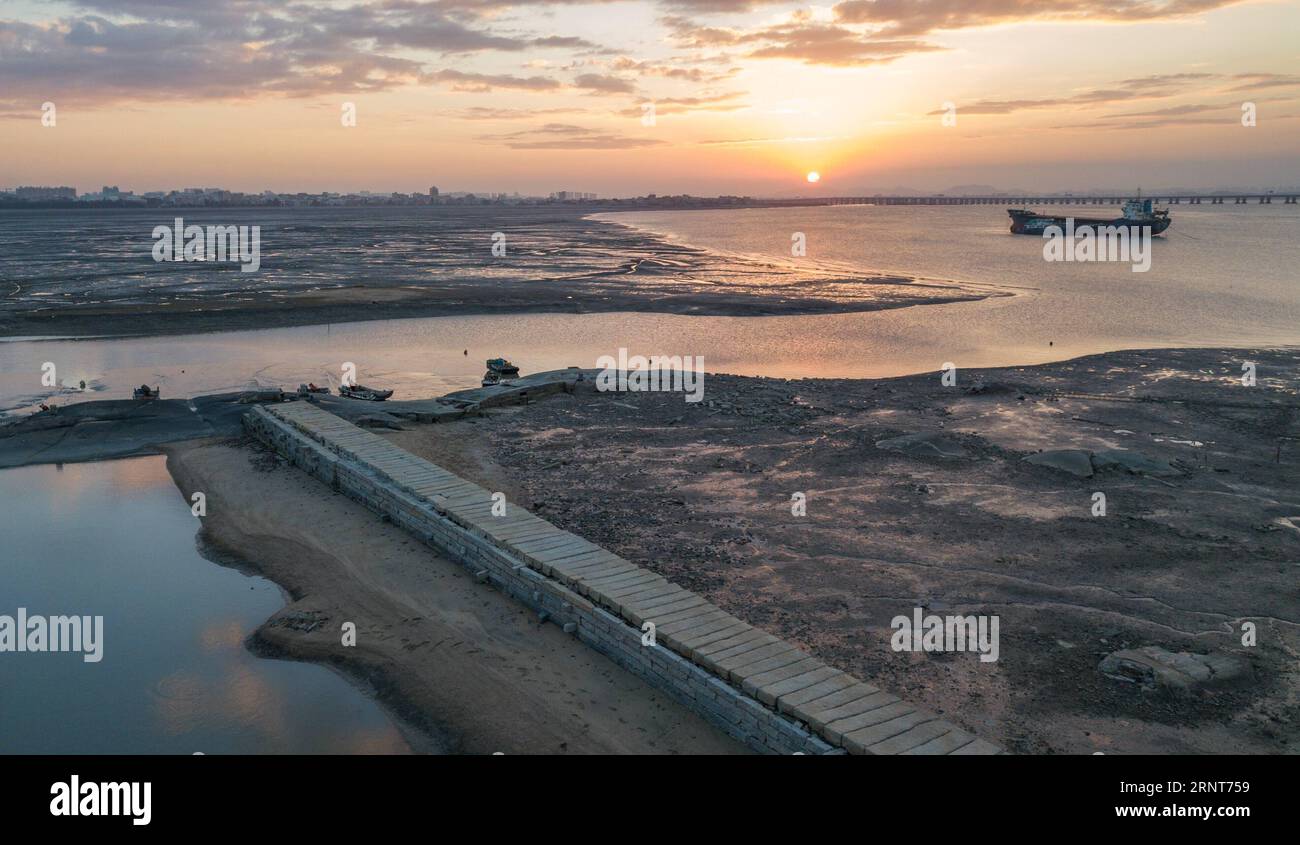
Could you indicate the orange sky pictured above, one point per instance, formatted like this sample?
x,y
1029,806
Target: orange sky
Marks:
x,y
512,95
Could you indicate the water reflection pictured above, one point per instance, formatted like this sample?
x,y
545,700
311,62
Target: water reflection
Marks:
x,y
115,539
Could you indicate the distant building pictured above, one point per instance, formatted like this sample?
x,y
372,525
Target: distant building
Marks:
x,y
29,192
571,196
433,192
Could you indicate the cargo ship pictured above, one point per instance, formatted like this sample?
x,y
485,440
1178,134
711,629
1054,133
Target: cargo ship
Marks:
x,y
1138,212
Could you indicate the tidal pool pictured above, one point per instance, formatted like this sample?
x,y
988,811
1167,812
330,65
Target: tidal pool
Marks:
x,y
116,540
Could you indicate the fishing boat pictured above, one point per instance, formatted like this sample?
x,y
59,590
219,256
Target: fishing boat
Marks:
x,y
304,389
358,391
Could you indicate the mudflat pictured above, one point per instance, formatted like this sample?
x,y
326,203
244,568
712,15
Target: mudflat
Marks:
x,y
332,265
1168,622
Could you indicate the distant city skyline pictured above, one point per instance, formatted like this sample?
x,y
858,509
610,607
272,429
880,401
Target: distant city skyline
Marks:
x,y
629,97
434,195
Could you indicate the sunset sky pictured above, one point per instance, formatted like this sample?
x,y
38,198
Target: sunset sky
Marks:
x,y
516,95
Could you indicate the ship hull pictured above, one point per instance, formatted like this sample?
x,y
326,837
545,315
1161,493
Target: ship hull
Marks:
x,y
1028,223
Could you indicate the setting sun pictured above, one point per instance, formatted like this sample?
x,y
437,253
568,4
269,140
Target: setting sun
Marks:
x,y
814,176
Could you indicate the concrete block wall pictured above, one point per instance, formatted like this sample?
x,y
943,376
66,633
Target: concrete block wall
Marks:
x,y
730,709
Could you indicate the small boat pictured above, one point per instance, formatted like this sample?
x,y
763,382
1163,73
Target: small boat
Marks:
x,y
499,370
357,391
304,389
145,392
502,367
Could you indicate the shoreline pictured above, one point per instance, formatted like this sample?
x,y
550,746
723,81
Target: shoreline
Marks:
x,y
419,739
293,314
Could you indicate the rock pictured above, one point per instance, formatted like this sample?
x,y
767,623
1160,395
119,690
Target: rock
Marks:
x,y
1074,461
990,388
1132,462
923,444
1181,672
378,421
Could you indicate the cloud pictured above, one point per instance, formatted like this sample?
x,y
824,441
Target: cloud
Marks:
x,y
480,83
626,64
1146,87
860,32
920,17
800,38
487,113
588,83
1256,81
105,52
676,105
833,45
566,136
596,83
117,50
739,142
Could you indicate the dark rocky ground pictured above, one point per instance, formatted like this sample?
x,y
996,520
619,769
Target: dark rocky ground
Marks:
x,y
1202,539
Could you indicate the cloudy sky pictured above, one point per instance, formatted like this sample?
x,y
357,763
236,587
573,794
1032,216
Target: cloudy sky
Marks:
x,y
747,95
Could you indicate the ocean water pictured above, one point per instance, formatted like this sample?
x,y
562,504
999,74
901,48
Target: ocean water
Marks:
x,y
1221,276
116,539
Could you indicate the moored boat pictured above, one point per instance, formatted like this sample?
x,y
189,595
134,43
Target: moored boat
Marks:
x,y
502,367
499,370
358,391
1137,212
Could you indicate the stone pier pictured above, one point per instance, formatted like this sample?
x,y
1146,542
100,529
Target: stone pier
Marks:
x,y
758,688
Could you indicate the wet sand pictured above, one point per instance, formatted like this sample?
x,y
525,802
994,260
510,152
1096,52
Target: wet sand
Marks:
x,y
1200,540
319,269
464,668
